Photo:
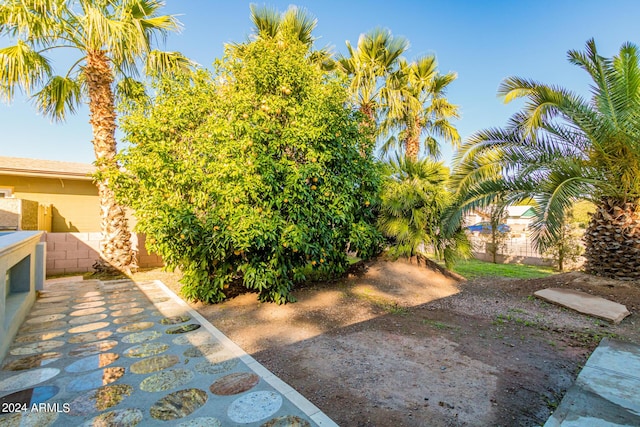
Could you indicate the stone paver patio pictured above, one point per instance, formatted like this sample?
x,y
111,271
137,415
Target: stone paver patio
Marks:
x,y
121,353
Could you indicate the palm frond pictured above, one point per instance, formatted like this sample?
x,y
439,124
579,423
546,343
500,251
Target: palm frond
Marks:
x,y
625,80
414,199
515,87
391,143
34,20
23,67
371,65
441,82
586,60
415,106
556,196
266,20
299,22
167,62
101,31
61,95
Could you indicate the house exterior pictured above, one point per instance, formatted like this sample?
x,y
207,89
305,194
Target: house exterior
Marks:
x,y
61,199
65,191
518,218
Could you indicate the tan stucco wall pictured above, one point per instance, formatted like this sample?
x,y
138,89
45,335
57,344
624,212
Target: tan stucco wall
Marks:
x,y
75,202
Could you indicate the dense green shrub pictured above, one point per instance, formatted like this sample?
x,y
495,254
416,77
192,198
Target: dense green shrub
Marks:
x,y
251,173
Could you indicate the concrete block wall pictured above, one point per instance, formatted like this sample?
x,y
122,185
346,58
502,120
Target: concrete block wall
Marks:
x,y
511,259
77,252
145,259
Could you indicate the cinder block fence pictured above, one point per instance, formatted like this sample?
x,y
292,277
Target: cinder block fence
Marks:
x,y
77,252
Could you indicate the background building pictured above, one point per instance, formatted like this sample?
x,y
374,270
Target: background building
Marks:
x,y
61,199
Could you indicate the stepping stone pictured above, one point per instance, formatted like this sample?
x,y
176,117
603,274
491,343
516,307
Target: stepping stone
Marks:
x,y
605,394
585,303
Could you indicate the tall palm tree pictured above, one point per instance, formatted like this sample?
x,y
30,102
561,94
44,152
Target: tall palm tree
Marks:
x,y
368,65
111,38
562,148
418,110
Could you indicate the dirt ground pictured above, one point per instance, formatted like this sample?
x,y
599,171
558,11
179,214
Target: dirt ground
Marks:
x,y
398,343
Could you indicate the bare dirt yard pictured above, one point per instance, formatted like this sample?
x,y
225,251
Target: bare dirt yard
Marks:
x,y
396,343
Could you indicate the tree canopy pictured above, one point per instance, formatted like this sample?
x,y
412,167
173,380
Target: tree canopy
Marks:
x,y
256,174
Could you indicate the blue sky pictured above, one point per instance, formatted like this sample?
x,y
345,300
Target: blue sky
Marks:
x,y
483,41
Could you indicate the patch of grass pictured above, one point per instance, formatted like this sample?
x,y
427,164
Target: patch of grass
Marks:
x,y
501,319
525,322
600,323
589,337
472,269
438,325
394,308
505,318
553,401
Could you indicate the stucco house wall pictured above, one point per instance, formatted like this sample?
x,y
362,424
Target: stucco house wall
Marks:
x,y
68,190
67,187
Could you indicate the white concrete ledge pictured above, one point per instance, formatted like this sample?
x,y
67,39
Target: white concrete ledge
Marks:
x,y
21,266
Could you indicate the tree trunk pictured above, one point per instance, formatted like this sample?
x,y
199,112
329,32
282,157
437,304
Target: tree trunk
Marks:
x,y
612,240
413,140
494,248
561,259
562,247
368,123
115,245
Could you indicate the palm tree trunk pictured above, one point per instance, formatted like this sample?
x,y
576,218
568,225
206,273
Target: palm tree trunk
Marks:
x,y
413,140
613,240
368,123
115,245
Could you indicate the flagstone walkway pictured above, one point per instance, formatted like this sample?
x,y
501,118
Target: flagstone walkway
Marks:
x,y
121,353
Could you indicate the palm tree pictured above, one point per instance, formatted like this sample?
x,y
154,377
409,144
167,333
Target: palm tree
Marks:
x,y
111,37
269,23
418,110
295,23
414,200
368,65
562,148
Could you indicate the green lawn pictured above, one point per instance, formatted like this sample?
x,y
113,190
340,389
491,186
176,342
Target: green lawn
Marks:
x,y
472,269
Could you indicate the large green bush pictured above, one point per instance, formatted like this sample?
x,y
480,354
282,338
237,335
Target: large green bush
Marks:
x,y
251,173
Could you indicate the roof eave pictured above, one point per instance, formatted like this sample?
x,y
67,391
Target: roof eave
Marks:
x,y
46,174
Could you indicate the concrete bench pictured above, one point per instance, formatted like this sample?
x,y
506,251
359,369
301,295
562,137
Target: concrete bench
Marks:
x,y
22,272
